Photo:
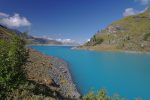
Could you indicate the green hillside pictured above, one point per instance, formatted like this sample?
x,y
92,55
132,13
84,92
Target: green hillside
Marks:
x,y
13,56
24,72
130,33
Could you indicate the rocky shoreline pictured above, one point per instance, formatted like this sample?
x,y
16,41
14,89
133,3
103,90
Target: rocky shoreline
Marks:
x,y
61,75
53,72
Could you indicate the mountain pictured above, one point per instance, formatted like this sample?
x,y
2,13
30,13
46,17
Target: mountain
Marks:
x,y
130,33
36,40
29,39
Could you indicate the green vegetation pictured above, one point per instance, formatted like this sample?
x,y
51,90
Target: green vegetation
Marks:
x,y
14,83
103,95
130,33
95,41
146,36
13,56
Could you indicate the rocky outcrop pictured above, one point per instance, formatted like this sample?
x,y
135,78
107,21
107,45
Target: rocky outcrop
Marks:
x,y
114,29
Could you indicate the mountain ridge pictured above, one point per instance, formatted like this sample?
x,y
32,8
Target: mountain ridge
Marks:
x,y
129,33
28,38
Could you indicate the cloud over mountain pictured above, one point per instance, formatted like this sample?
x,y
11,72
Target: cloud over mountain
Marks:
x,y
14,21
132,11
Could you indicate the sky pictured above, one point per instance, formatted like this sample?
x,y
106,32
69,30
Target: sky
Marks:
x,y
66,20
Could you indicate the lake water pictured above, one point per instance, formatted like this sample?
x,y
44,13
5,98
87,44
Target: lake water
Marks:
x,y
126,74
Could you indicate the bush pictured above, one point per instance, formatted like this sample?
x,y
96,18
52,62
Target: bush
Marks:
x,y
101,95
146,36
13,55
99,41
95,41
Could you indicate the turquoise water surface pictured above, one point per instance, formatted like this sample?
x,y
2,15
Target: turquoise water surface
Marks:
x,y
126,74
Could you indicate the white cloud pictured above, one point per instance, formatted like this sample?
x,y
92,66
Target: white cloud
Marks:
x,y
14,21
132,11
66,40
3,15
143,1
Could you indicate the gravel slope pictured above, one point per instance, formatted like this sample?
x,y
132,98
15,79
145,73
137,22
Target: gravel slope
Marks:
x,y
52,72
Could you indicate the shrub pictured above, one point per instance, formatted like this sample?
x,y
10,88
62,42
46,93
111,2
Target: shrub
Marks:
x,y
99,41
146,36
101,95
13,55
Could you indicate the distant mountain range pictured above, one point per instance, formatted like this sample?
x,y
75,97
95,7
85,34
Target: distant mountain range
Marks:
x,y
130,33
44,41
38,40
31,39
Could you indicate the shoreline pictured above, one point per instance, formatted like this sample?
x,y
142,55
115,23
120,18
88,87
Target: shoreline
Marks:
x,y
62,68
90,49
114,50
79,91
60,74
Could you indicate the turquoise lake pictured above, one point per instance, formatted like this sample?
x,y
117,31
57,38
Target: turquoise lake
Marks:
x,y
126,74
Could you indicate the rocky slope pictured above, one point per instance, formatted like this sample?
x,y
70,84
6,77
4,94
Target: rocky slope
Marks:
x,y
130,33
51,72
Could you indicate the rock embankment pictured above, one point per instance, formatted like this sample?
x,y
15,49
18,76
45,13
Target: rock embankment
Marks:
x,y
61,75
52,72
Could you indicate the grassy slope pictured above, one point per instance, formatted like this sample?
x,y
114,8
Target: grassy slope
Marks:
x,y
125,34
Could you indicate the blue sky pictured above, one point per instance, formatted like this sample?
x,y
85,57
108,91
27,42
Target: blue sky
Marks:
x,y
66,19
